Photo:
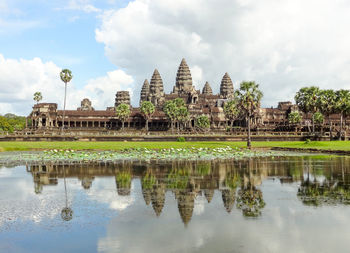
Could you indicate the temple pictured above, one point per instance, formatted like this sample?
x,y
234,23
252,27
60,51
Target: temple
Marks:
x,y
46,116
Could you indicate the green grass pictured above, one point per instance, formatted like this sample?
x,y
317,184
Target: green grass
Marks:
x,y
82,145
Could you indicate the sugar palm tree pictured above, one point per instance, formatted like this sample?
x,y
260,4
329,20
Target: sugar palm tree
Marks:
x,y
342,106
231,111
307,101
170,111
294,118
202,122
249,97
67,212
147,109
327,105
37,97
122,113
66,77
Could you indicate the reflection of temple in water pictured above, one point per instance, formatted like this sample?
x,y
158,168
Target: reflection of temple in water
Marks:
x,y
237,181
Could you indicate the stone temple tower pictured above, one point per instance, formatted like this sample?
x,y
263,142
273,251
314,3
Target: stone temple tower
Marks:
x,y
226,87
207,89
156,91
183,79
144,91
122,97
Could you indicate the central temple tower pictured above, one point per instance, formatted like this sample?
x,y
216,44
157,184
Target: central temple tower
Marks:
x,y
183,83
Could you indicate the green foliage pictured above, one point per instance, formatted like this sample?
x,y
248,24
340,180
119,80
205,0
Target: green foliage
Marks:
x,y
147,109
307,141
294,118
148,181
11,122
122,112
123,179
327,101
182,114
307,99
176,111
179,102
170,110
249,97
231,110
66,75
250,201
318,118
37,96
181,139
342,103
202,122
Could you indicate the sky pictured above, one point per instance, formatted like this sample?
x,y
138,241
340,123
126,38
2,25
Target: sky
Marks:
x,y
113,45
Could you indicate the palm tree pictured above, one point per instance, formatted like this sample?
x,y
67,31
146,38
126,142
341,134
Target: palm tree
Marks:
x,y
327,105
182,116
294,118
122,113
202,122
66,212
307,101
231,111
319,119
147,109
249,97
170,111
175,110
38,97
342,106
66,77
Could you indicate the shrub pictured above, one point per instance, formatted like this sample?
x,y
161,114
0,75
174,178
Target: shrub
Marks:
x,y
181,139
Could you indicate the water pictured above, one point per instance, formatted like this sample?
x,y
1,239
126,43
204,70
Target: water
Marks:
x,y
290,204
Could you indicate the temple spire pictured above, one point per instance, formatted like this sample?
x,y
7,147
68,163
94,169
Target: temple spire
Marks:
x,y
183,83
156,94
226,87
145,91
207,89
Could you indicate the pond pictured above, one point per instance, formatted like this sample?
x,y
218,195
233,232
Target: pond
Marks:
x,y
264,204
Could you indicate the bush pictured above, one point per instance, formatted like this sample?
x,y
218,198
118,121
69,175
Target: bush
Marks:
x,y
307,141
181,139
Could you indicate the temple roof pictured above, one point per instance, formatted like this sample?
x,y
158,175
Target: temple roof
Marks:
x,y
156,82
226,86
207,89
183,78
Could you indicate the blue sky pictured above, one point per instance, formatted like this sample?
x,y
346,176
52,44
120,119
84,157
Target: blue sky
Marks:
x,y
113,45
54,31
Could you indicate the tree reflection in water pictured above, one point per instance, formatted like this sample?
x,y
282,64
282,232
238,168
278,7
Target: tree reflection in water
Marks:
x,y
333,189
238,182
67,212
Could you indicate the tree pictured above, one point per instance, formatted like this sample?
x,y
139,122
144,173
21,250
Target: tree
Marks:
x,y
342,107
202,122
66,77
176,111
231,111
249,97
327,105
294,118
181,116
122,113
147,109
37,97
307,101
170,111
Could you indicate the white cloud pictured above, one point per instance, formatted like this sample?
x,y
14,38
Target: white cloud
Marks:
x,y
82,5
19,79
283,45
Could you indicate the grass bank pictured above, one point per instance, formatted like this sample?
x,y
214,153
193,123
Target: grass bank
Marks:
x,y
80,145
